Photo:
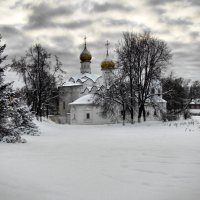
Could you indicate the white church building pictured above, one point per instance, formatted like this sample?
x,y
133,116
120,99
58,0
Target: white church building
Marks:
x,y
76,102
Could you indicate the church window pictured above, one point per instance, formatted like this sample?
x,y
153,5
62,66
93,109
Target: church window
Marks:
x,y
152,91
63,105
87,115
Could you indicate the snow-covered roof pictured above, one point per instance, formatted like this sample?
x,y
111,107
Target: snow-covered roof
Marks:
x,y
86,99
69,83
84,77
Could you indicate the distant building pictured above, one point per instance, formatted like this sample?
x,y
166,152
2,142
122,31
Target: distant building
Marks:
x,y
194,107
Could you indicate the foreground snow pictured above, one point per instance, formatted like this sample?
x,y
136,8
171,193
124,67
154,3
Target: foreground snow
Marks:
x,y
151,162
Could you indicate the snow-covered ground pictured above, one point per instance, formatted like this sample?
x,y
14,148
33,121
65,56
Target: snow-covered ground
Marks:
x,y
154,161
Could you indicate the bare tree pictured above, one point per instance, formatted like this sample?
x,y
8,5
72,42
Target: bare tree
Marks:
x,y
41,75
142,58
113,97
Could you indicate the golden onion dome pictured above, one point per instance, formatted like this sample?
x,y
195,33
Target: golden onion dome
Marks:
x,y
107,64
85,55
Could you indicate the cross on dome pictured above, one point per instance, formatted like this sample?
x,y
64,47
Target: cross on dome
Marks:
x,y
85,55
107,44
107,64
85,38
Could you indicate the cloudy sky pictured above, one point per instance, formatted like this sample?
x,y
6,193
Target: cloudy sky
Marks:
x,y
60,25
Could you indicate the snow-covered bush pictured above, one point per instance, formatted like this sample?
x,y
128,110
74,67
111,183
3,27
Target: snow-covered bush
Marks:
x,y
13,139
22,118
170,117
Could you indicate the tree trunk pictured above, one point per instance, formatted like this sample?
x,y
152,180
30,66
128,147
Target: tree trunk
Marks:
x,y
132,116
37,113
140,114
47,111
40,114
124,115
144,114
40,108
131,93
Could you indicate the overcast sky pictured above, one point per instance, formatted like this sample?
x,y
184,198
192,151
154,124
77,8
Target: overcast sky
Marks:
x,y
60,25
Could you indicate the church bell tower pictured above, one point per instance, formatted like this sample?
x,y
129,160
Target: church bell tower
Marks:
x,y
85,58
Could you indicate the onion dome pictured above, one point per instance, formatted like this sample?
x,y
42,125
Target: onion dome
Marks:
x,y
107,63
85,56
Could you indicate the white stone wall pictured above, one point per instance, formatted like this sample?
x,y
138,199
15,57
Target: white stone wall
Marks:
x,y
67,95
79,115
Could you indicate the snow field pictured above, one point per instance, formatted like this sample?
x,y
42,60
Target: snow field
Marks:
x,y
151,161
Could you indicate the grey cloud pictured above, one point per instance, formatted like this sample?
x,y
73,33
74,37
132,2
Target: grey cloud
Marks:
x,y
65,49
16,40
8,31
182,22
194,2
184,61
160,2
118,22
110,7
42,15
194,34
21,4
78,24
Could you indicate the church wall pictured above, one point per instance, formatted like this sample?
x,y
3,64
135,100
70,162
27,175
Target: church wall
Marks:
x,y
66,96
87,114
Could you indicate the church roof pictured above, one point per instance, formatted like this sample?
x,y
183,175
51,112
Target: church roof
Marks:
x,y
69,83
84,77
84,100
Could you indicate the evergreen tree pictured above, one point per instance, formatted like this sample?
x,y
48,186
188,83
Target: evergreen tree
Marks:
x,y
15,117
178,93
7,131
195,90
